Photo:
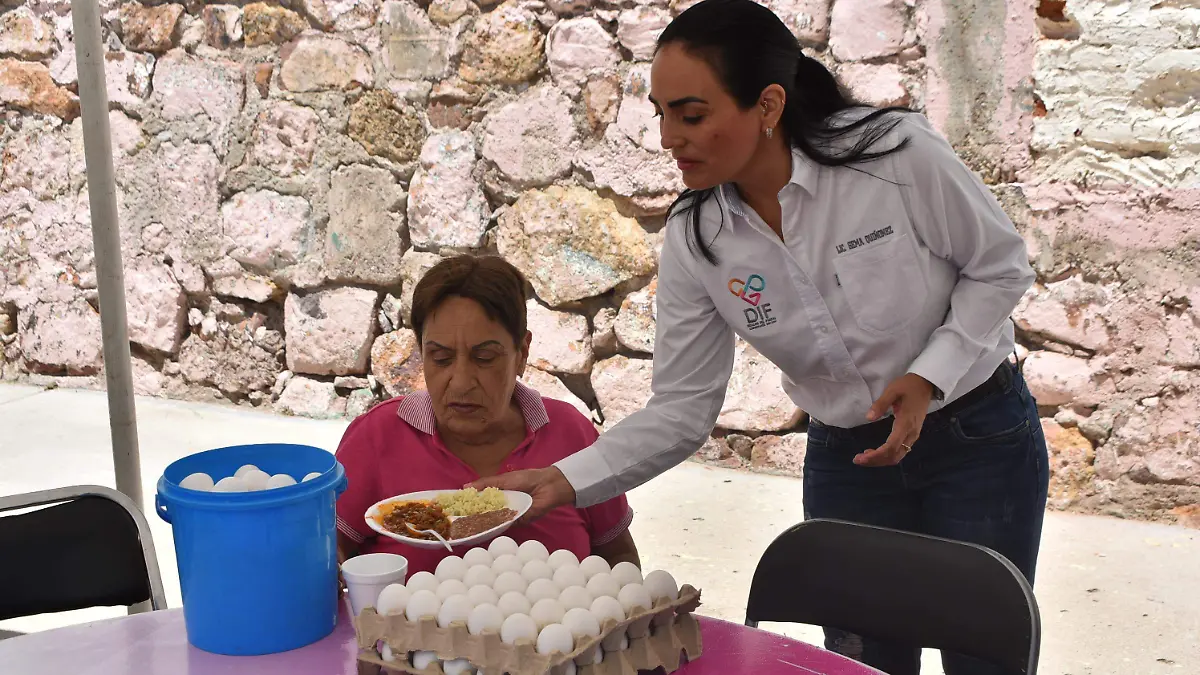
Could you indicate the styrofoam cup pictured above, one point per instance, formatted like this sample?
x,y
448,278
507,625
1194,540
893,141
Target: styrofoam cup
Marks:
x,y
367,575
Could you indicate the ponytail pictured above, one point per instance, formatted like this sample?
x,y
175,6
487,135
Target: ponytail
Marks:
x,y
811,113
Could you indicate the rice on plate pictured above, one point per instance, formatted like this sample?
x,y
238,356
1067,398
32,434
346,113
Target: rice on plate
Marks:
x,y
470,501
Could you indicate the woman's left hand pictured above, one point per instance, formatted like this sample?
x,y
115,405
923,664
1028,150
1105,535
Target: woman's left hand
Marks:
x,y
908,397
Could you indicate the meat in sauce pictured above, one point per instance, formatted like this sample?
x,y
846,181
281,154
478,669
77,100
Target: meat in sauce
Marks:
x,y
420,515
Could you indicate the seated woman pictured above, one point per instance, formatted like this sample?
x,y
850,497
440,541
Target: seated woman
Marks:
x,y
474,420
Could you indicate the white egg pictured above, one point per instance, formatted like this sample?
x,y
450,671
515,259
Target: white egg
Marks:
x,y
315,474
454,608
598,657
422,604
661,585
593,565
555,639
449,588
393,600
603,584
422,581
478,556
514,603
483,595
458,667
576,596
571,669
626,573
518,627
633,598
485,619
536,569
546,612
479,575
542,589
507,563
562,558
422,660
280,480
567,576
582,623
502,546
451,567
509,582
624,644
256,480
607,608
532,550
198,481
387,654
245,469
230,484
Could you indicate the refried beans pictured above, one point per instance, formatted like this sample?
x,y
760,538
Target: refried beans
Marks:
x,y
468,526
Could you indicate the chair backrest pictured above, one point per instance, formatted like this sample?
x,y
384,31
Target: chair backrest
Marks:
x,y
90,548
901,587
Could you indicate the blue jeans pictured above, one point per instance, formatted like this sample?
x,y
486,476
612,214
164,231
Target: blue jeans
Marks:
x,y
978,475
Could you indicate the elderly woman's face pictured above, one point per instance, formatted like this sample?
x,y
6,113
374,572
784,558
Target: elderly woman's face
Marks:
x,y
471,366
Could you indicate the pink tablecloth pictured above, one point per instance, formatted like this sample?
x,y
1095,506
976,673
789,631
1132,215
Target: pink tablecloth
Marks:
x,y
156,644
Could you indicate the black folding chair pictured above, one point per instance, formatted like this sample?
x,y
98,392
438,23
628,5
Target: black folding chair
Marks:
x,y
90,548
899,587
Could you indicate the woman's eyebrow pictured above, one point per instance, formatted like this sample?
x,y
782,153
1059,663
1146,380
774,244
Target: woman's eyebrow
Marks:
x,y
680,101
481,345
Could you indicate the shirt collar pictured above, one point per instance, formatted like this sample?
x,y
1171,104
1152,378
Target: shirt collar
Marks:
x,y
417,409
804,175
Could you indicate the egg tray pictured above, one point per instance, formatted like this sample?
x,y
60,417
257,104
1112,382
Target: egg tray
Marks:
x,y
657,637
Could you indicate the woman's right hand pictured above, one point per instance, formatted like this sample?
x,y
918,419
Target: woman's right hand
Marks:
x,y
548,487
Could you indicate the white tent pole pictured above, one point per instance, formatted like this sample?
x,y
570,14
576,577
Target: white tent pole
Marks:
x,y
106,239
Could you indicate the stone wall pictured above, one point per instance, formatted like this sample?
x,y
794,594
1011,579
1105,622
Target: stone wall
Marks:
x,y
286,172
1112,217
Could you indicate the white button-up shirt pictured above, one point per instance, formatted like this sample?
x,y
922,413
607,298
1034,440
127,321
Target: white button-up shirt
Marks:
x,y
871,280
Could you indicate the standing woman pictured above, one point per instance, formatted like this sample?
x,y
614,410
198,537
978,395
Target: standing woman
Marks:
x,y
852,248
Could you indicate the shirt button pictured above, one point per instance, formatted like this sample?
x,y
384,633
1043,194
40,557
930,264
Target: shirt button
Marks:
x,y
822,329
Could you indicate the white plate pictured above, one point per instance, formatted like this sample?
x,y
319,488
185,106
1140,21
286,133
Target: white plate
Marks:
x,y
517,501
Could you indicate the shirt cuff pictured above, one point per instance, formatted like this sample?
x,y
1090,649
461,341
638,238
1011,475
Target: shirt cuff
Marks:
x,y
590,475
351,533
616,530
943,362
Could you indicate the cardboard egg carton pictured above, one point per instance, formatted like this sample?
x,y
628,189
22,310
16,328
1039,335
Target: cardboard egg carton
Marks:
x,y
657,637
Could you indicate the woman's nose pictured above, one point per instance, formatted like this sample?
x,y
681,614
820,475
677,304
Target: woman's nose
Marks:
x,y
668,134
462,373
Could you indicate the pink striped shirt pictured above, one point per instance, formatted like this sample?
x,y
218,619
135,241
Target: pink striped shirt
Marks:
x,y
395,449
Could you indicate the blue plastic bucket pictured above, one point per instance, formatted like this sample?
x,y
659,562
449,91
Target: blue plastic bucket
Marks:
x,y
258,569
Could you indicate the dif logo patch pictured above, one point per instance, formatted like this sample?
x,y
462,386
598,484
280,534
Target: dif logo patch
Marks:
x,y
751,290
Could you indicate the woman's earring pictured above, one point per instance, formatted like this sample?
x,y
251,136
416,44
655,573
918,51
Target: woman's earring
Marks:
x,y
770,132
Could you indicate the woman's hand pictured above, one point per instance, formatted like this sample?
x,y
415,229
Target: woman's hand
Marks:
x,y
548,487
908,397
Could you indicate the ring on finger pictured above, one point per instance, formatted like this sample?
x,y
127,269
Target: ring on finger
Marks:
x,y
907,448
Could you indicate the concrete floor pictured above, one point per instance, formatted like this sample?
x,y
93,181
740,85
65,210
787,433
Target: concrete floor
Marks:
x,y
1117,597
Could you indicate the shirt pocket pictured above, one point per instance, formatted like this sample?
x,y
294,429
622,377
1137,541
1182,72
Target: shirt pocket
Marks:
x,y
884,285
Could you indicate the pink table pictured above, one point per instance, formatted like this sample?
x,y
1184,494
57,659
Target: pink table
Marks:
x,y
156,644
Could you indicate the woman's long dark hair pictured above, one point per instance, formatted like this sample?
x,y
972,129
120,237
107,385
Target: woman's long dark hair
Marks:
x,y
749,49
